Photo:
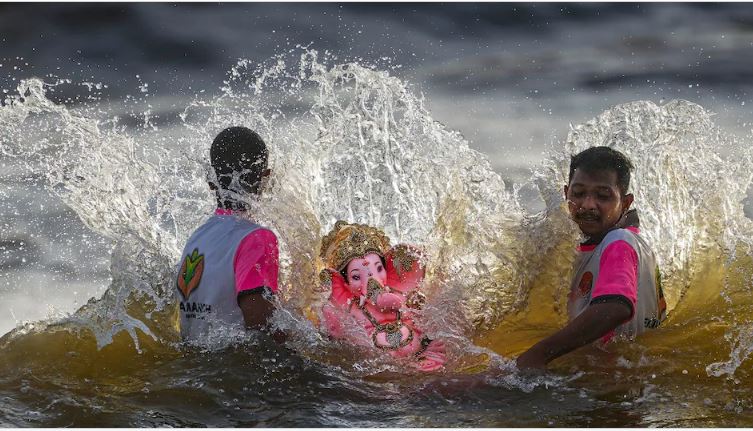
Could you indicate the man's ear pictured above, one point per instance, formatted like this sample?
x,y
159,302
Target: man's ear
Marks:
x,y
627,200
565,191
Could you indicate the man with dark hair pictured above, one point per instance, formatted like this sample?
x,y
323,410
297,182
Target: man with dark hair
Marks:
x,y
616,289
239,159
603,159
229,268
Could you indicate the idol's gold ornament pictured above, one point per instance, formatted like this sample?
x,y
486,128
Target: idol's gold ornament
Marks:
x,y
403,258
325,279
351,241
415,300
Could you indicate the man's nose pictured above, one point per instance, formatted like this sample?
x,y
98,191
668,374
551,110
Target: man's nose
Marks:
x,y
588,202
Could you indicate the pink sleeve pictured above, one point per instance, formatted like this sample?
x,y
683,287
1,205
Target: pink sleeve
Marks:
x,y
256,261
618,273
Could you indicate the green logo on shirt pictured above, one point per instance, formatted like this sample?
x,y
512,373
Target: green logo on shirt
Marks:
x,y
190,273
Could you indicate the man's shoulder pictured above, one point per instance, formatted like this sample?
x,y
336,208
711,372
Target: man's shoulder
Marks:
x,y
630,236
263,232
626,235
629,233
261,236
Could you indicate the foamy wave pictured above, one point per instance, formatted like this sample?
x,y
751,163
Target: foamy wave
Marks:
x,y
350,141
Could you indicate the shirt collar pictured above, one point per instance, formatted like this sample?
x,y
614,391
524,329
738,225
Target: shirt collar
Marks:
x,y
223,211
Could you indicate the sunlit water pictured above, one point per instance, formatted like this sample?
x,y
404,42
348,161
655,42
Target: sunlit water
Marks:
x,y
351,141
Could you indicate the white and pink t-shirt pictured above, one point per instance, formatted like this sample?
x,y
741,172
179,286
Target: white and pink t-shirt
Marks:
x,y
256,262
226,256
620,268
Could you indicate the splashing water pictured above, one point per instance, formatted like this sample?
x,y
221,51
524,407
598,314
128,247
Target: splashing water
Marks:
x,y
352,142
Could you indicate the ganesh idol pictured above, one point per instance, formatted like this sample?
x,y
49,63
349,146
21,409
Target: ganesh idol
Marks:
x,y
374,293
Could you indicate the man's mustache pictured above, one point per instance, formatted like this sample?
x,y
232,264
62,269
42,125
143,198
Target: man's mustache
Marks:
x,y
587,215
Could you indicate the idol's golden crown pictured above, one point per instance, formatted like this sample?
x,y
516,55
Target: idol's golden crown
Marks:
x,y
346,242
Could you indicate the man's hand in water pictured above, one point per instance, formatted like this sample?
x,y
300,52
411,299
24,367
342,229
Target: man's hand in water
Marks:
x,y
257,309
531,360
279,337
593,323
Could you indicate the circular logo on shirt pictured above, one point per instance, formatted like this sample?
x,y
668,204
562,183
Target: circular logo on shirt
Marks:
x,y
584,287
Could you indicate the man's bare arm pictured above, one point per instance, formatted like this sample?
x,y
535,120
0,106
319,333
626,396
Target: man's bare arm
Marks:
x,y
257,310
596,321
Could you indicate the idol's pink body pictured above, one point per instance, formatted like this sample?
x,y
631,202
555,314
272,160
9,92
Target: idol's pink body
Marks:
x,y
350,302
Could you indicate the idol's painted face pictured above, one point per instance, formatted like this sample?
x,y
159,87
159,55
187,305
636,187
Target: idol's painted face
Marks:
x,y
595,201
360,270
